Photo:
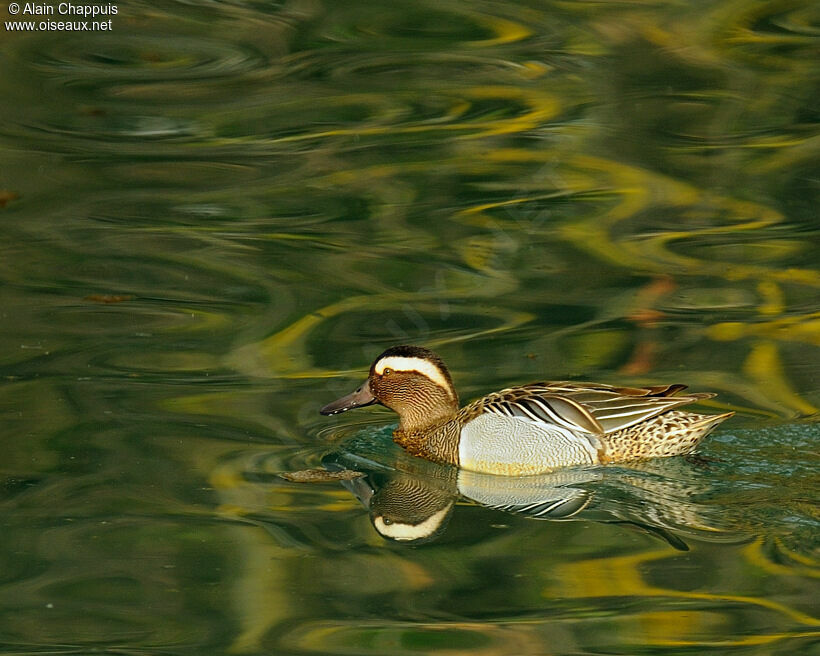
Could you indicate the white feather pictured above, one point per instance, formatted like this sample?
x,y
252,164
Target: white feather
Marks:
x,y
419,365
400,531
516,446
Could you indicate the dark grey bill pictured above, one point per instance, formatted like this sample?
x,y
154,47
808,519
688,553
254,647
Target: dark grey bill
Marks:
x,y
357,399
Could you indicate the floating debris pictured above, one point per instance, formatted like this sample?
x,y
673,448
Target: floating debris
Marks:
x,y
108,298
321,475
6,197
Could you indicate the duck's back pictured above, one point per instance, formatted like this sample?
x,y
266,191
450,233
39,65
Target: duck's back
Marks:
x,y
673,433
534,428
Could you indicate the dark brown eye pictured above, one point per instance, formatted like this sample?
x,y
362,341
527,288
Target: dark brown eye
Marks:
x,y
387,370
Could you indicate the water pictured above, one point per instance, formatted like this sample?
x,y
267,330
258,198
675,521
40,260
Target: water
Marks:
x,y
216,215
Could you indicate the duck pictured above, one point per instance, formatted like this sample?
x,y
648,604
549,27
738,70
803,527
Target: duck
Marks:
x,y
527,429
412,504
408,505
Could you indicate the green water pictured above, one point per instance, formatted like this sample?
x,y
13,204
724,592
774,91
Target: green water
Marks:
x,y
214,216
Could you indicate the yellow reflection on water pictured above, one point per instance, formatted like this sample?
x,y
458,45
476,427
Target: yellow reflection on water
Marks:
x,y
625,576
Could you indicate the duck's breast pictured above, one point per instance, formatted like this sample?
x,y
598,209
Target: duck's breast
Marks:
x,y
514,446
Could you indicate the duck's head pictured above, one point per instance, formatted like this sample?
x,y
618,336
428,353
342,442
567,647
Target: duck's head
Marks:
x,y
412,510
410,380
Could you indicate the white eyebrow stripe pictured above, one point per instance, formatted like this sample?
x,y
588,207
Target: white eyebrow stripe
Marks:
x,y
420,365
399,531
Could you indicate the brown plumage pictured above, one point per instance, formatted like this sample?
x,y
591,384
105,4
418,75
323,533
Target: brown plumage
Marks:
x,y
530,428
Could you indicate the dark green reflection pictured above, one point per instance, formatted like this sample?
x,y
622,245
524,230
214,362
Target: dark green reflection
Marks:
x,y
215,213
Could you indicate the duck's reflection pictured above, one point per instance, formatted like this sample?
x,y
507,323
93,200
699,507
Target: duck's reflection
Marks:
x,y
656,496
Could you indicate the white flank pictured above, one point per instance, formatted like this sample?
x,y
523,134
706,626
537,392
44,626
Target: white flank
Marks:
x,y
419,365
514,446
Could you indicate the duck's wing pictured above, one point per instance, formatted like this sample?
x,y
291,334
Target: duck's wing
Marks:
x,y
585,407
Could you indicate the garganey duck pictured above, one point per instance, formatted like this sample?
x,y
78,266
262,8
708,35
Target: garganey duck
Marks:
x,y
529,429
412,504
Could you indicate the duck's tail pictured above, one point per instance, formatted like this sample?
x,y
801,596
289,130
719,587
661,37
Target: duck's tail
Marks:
x,y
672,433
